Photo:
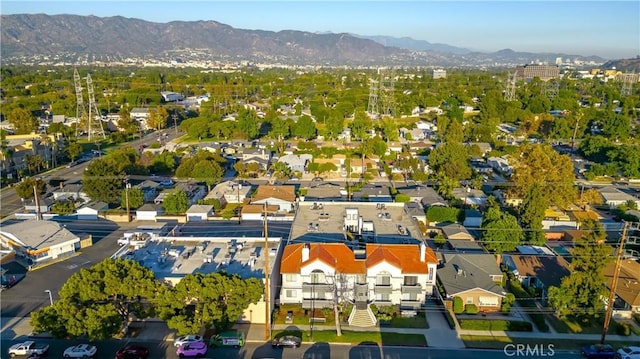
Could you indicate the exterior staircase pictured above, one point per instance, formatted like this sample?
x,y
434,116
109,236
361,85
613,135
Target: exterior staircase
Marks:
x,y
362,316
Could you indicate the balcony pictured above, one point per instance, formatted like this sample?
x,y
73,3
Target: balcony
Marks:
x,y
317,288
383,288
417,288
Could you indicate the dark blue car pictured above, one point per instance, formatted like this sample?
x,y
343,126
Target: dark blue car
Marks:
x,y
598,351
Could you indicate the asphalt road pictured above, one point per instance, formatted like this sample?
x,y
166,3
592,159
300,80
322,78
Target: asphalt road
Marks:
x,y
107,349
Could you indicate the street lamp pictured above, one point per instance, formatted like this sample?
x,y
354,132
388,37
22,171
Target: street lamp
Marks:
x,y
50,297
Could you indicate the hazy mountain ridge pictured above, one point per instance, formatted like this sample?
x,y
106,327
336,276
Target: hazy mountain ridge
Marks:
x,y
70,37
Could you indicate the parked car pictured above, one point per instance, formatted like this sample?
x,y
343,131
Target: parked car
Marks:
x,y
230,338
133,352
628,353
28,348
290,341
80,351
186,339
598,351
195,349
317,179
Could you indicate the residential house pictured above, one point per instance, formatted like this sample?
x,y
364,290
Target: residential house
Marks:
x,y
416,193
229,192
501,165
507,199
474,277
414,134
431,198
149,212
472,218
325,191
149,189
455,231
394,147
336,160
194,192
613,197
296,163
71,192
251,153
484,147
470,197
373,193
43,205
416,148
426,125
394,274
361,165
91,210
284,197
255,212
38,242
537,271
628,286
199,213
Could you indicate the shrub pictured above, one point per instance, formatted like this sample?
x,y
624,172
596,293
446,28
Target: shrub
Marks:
x,y
471,309
442,214
458,306
623,329
496,325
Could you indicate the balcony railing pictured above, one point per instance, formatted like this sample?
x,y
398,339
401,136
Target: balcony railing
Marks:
x,y
416,288
410,304
317,303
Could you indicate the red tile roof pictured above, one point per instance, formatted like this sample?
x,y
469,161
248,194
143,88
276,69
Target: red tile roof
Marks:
x,y
339,256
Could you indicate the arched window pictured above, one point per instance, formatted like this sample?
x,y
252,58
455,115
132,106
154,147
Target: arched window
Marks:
x,y
317,276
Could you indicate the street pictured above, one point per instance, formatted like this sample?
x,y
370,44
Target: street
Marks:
x,y
107,349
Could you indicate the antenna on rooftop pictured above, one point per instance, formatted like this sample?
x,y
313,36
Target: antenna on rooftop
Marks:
x,y
510,88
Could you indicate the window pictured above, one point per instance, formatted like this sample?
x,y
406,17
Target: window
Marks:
x,y
431,274
410,296
361,278
383,279
382,297
410,280
291,293
488,301
469,300
290,277
317,276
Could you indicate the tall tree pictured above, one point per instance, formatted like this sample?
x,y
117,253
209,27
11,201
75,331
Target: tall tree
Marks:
x,y
582,291
534,203
74,149
248,123
136,198
176,202
98,301
304,128
542,166
207,300
22,120
501,231
24,188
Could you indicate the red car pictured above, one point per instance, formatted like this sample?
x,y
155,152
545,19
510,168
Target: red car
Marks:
x,y
133,352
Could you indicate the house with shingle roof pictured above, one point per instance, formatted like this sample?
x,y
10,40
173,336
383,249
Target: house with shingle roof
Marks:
x,y
473,277
387,274
628,286
537,271
282,196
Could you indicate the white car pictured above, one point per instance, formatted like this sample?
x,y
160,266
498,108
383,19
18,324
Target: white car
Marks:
x,y
628,353
80,351
186,339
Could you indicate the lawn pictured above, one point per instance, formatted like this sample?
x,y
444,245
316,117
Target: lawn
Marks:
x,y
329,336
575,325
419,321
489,342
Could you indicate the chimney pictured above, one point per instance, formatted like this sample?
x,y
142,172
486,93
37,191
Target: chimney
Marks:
x,y
423,252
305,252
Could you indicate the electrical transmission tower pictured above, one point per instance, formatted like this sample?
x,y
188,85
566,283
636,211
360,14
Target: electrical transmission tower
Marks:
x,y
627,84
372,105
80,109
387,88
510,88
94,115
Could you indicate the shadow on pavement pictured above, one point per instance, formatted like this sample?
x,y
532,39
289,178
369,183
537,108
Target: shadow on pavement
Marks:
x,y
319,350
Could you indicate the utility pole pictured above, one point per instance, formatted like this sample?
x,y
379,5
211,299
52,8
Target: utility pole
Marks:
x,y
175,122
267,311
37,200
126,193
614,283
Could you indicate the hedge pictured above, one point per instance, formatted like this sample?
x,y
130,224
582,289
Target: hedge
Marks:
x,y
442,214
495,325
471,309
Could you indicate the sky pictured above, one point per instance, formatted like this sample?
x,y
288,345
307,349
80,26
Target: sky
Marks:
x,y
610,29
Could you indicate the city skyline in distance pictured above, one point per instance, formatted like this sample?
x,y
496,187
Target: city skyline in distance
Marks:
x,y
607,29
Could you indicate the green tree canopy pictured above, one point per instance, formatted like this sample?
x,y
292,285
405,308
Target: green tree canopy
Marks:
x,y
98,301
22,120
136,198
534,204
207,300
24,188
248,123
63,208
581,292
304,128
176,202
501,231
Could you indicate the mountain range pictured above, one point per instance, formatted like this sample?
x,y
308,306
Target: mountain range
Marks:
x,y
29,38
